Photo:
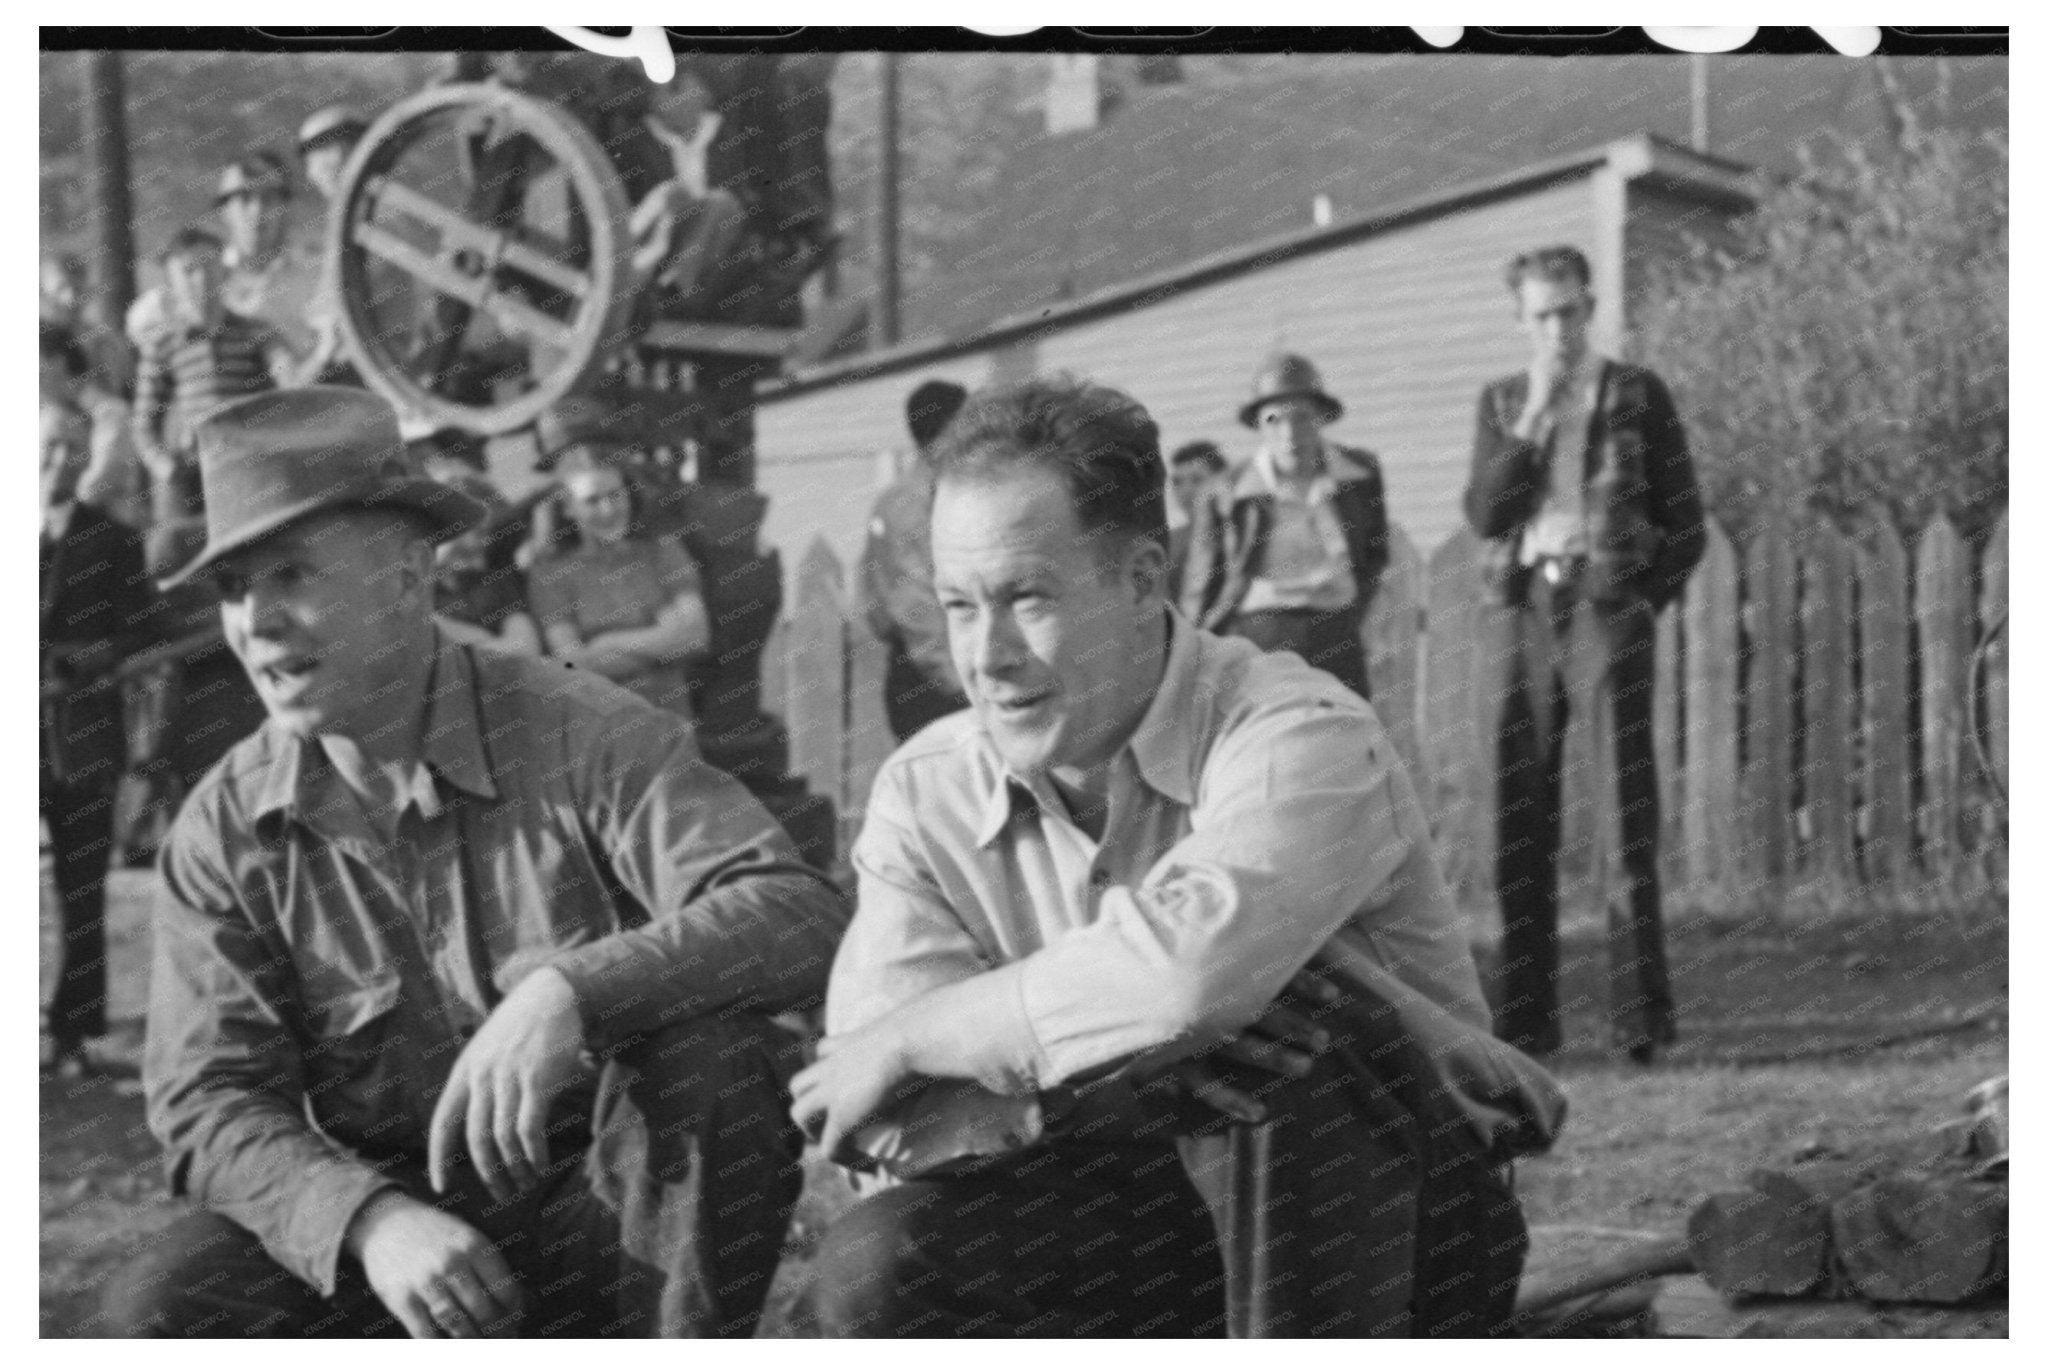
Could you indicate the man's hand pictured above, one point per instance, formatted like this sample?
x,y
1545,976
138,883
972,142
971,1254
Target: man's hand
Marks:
x,y
527,1052
1283,1041
437,1274
1546,384
857,1076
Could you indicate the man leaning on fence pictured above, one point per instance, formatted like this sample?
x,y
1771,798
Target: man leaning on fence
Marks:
x,y
1583,488
463,961
1122,855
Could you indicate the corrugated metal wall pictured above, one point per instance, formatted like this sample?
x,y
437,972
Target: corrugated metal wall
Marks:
x,y
1406,326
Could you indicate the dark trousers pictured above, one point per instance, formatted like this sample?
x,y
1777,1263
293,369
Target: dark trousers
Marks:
x,y
81,823
1328,640
1068,1241
1334,1226
1603,654
669,1223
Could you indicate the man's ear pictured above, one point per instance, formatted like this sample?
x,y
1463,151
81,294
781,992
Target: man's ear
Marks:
x,y
1145,567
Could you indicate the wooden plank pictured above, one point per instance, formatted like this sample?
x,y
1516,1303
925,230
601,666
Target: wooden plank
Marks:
x,y
1941,610
1711,789
1827,713
1995,691
868,738
1393,650
816,671
1687,1306
775,670
1884,703
719,338
1457,734
1764,840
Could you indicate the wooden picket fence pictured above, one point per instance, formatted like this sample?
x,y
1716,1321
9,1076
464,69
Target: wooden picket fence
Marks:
x,y
1816,699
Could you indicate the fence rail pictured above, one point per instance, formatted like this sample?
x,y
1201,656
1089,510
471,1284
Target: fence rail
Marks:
x,y
1826,706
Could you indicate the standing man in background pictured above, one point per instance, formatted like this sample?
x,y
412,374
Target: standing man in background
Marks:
x,y
1583,489
1296,560
896,577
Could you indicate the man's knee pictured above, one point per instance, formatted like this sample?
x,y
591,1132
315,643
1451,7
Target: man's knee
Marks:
x,y
874,1265
203,1277
716,1084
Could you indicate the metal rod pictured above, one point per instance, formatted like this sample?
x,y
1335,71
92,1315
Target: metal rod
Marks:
x,y
1702,105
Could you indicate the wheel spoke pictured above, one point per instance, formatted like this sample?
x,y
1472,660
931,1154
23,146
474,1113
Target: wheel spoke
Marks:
x,y
492,245
512,314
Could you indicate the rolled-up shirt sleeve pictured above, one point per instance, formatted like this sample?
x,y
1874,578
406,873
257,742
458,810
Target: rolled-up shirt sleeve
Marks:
x,y
1301,825
223,1073
733,919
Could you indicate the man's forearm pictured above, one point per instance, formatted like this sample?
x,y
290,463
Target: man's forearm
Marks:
x,y
974,1029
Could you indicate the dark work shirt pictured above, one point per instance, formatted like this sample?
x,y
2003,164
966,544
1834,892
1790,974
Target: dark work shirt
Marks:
x,y
314,983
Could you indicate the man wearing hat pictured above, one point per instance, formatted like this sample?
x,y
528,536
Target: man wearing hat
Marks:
x,y
1294,559
273,272
325,140
462,960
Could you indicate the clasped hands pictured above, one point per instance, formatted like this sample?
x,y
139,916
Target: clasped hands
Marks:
x,y
861,1076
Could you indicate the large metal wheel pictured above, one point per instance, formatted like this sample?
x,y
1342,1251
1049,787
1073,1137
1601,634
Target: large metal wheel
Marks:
x,y
483,253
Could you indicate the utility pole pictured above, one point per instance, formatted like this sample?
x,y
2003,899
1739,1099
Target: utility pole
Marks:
x,y
1702,105
106,167
888,211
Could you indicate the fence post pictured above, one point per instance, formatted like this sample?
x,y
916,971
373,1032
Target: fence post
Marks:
x,y
1997,654
1393,651
1941,607
1712,788
1883,646
1827,707
1457,723
1766,833
868,738
816,672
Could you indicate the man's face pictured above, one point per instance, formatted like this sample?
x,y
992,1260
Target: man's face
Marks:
x,y
1291,429
1556,315
326,617
64,453
323,167
1041,631
252,221
58,291
1188,481
193,281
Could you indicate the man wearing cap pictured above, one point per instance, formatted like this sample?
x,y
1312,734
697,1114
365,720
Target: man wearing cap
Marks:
x,y
1294,560
325,140
462,960
1583,489
896,577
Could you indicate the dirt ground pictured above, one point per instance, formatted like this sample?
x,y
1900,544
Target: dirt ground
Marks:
x,y
1856,1034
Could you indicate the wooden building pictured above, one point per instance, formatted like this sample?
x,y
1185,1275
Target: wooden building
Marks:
x,y
1403,309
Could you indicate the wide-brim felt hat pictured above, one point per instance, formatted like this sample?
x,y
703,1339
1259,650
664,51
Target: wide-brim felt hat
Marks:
x,y
259,175
335,123
1288,376
272,459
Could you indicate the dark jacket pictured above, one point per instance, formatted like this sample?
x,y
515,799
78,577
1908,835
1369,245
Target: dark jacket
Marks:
x,y
95,605
1224,554
1646,528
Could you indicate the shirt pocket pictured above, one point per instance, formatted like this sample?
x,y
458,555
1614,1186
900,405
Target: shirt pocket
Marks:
x,y
357,1063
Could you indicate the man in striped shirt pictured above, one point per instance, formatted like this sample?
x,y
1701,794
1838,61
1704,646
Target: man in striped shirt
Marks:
x,y
203,356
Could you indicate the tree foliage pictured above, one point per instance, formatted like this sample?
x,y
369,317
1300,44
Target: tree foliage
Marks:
x,y
1849,350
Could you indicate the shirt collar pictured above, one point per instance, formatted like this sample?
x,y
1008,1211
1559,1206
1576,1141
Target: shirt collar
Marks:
x,y
1160,747
453,747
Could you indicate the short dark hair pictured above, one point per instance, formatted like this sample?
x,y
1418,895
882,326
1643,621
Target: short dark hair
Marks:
x,y
188,240
1205,453
1102,443
54,342
932,405
1560,264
